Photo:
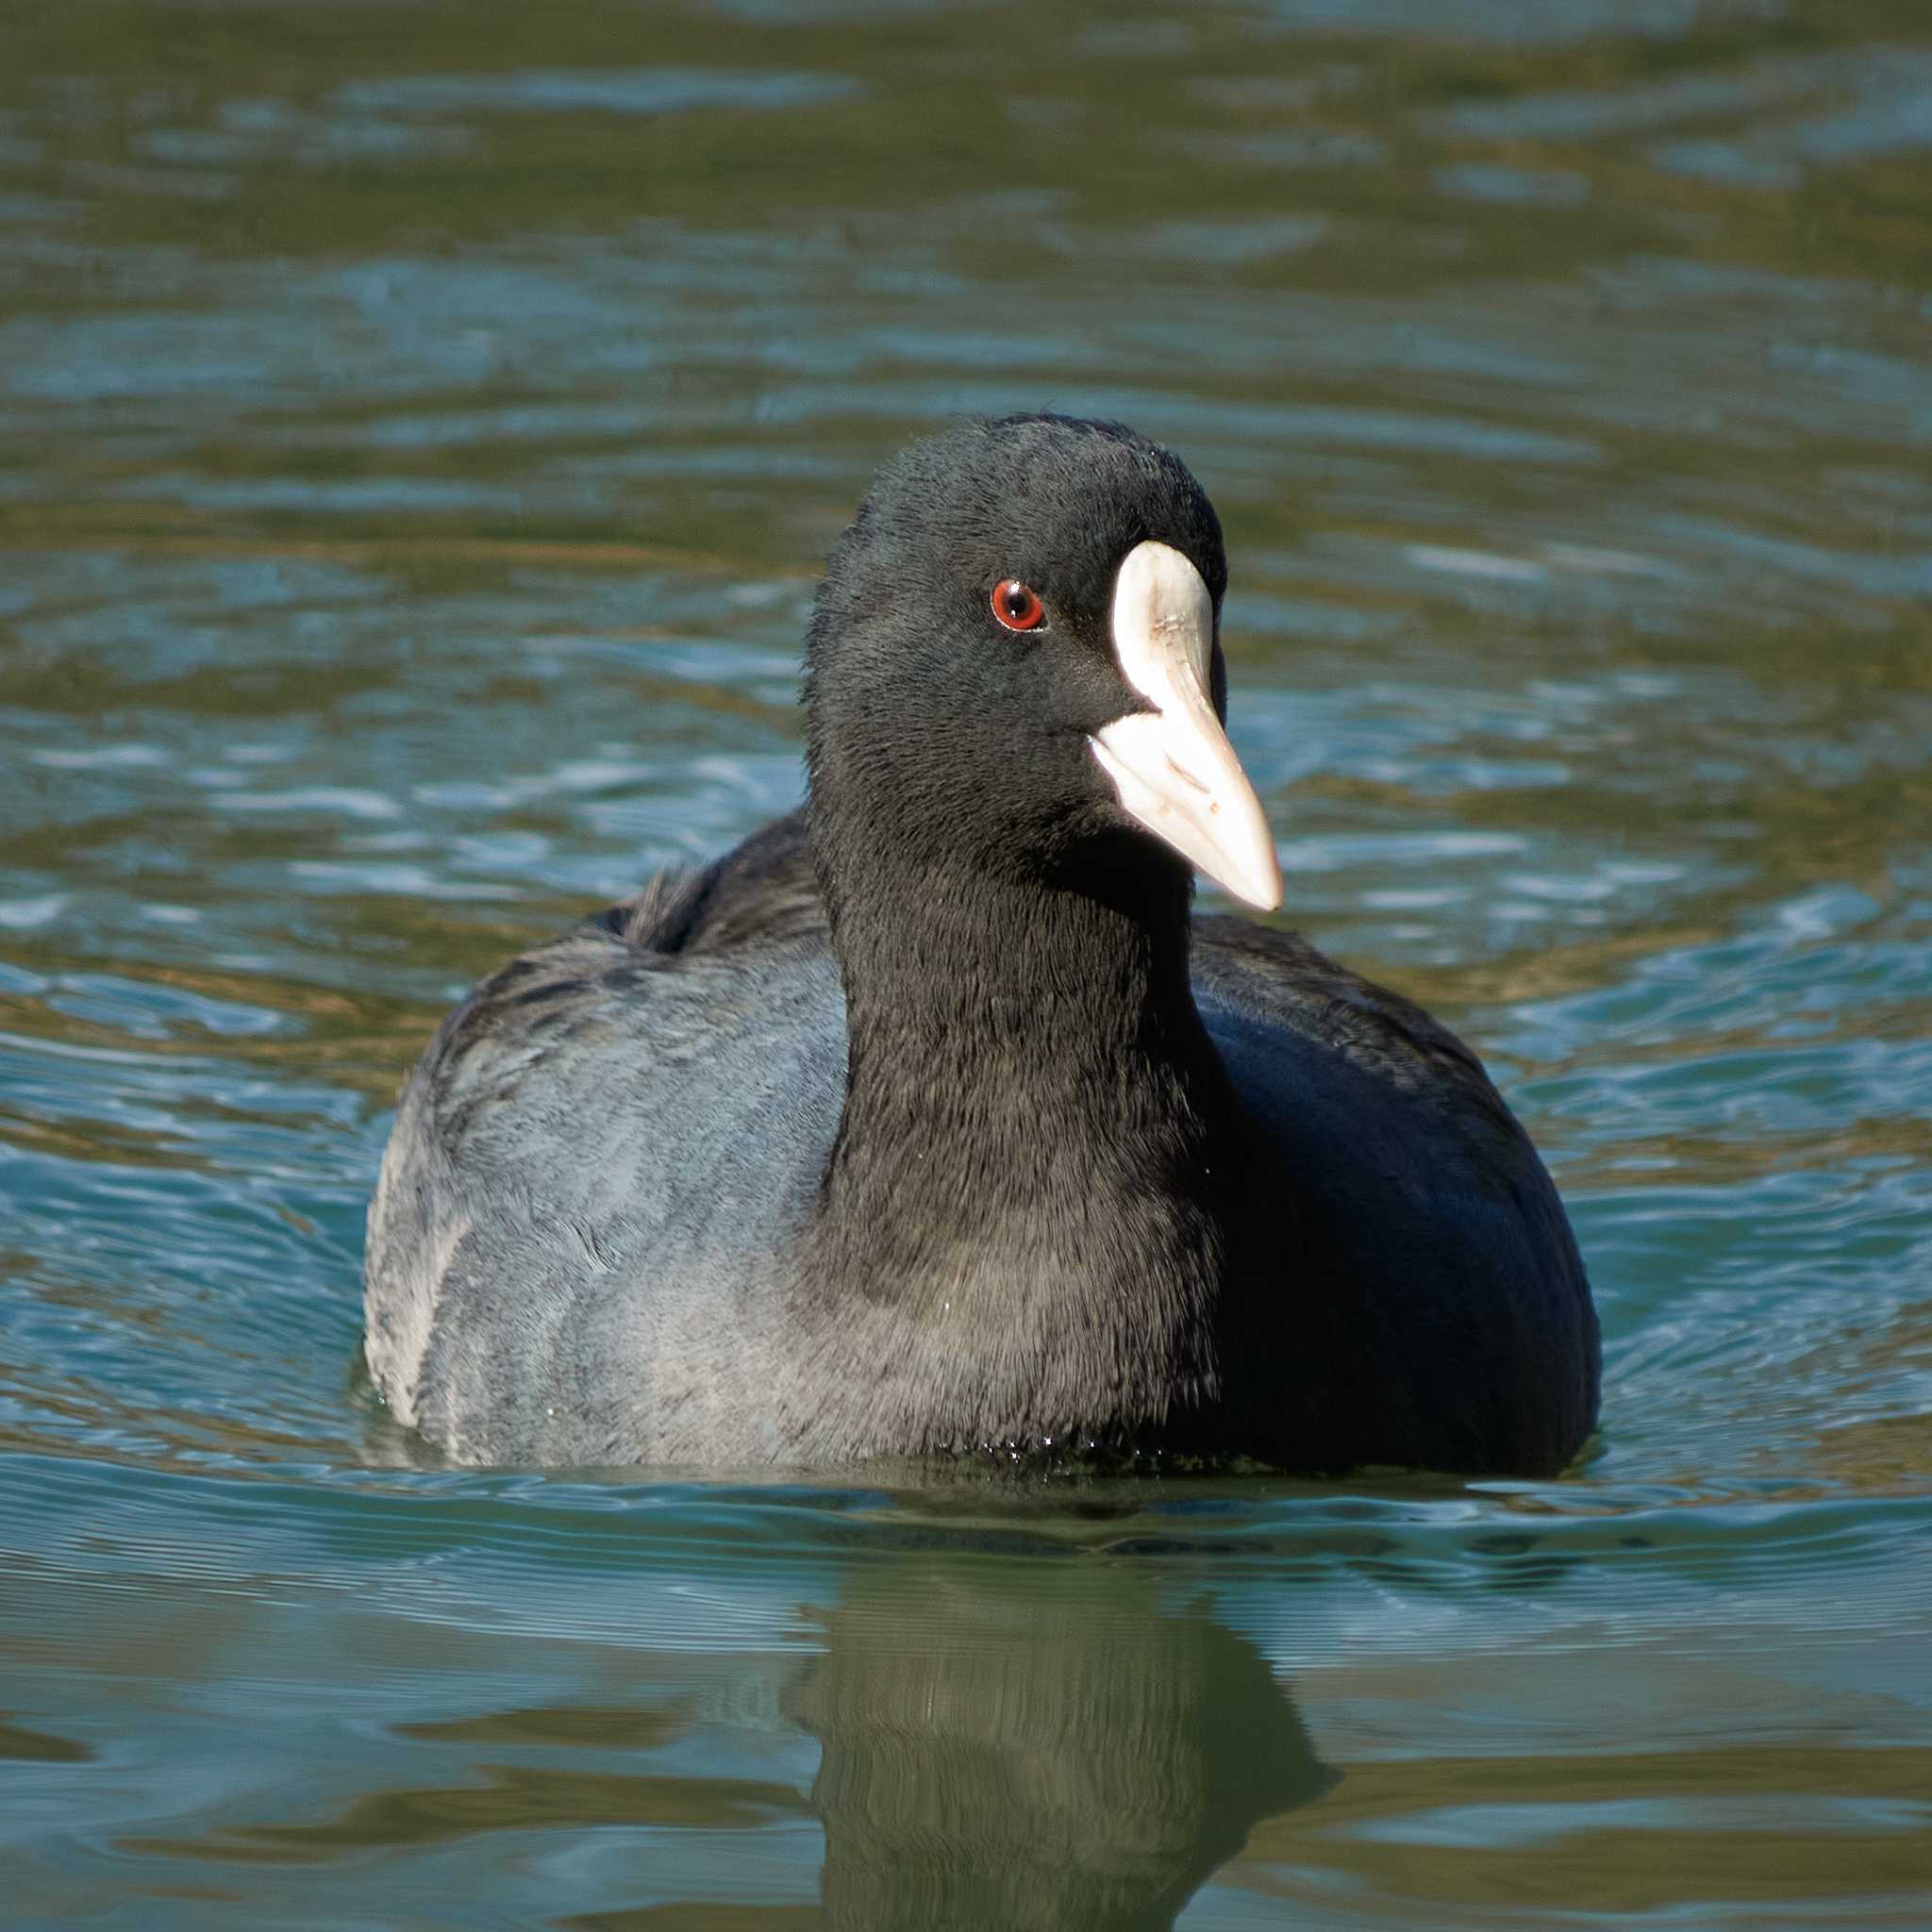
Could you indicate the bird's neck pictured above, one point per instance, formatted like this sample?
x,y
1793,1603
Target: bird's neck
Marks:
x,y
1025,1169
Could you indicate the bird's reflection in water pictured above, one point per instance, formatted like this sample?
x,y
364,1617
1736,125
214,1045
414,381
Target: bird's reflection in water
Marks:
x,y
1038,1745
1005,1741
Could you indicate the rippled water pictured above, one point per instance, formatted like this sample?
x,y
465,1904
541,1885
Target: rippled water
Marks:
x,y
418,428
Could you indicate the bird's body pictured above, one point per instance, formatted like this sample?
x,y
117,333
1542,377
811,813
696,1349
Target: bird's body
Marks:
x,y
926,1123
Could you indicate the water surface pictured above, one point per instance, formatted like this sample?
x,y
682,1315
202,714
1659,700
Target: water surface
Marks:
x,y
418,427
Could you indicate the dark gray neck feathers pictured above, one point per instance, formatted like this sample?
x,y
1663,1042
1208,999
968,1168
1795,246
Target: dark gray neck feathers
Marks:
x,y
1024,1189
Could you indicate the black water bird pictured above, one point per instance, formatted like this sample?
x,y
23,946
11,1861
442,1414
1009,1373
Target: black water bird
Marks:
x,y
928,1123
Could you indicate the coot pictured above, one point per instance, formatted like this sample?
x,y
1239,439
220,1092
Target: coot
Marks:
x,y
927,1123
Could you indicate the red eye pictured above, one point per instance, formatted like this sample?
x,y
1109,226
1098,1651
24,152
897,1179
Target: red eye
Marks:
x,y
1017,607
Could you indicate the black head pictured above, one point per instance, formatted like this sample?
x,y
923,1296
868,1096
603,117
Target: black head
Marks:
x,y
948,737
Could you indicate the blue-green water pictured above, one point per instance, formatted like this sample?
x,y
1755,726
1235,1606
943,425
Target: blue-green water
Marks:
x,y
418,428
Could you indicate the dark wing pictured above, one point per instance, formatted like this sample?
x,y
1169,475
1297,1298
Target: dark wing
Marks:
x,y
1281,971
1406,1204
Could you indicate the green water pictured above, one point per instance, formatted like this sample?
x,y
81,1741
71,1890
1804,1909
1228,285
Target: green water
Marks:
x,y
419,425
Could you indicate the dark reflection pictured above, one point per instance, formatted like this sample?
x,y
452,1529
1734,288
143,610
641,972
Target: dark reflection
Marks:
x,y
593,1729
1054,1752
43,1747
507,1797
1037,1741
